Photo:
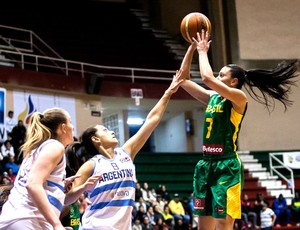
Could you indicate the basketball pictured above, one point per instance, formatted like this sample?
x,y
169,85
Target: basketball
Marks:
x,y
193,23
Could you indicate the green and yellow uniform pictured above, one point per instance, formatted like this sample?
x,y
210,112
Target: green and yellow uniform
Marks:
x,y
218,178
73,217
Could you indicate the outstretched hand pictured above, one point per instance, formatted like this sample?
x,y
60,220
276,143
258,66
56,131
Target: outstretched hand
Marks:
x,y
178,78
91,181
202,41
68,182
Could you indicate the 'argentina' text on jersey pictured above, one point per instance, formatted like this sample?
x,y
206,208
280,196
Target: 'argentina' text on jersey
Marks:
x,y
117,174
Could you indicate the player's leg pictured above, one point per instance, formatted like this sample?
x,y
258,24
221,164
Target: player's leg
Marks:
x,y
206,223
225,224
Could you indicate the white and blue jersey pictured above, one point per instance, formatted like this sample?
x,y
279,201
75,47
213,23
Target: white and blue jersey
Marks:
x,y
112,197
20,206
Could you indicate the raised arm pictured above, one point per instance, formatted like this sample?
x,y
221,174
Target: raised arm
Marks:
x,y
236,96
195,90
135,143
187,61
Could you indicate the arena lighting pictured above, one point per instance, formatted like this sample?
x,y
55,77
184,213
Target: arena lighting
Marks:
x,y
135,121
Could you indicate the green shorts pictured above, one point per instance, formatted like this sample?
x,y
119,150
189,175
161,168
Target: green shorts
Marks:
x,y
217,188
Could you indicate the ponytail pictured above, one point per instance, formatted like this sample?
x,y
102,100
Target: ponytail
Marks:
x,y
41,127
73,158
36,134
76,151
87,142
273,84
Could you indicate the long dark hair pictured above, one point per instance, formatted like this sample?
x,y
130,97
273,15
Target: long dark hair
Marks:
x,y
273,84
73,158
87,143
76,151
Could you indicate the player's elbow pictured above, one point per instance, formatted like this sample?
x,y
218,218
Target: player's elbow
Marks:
x,y
206,79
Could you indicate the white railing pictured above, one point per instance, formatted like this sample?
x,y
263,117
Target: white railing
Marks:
x,y
273,157
69,68
26,41
24,49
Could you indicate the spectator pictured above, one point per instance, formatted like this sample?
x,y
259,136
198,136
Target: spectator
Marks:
x,y
5,180
239,224
11,164
160,225
164,194
2,163
153,191
150,214
180,225
195,217
157,214
168,218
187,208
137,225
18,135
138,191
295,208
267,217
141,212
191,202
160,203
7,149
247,212
258,203
141,202
177,210
11,175
146,225
10,123
282,211
147,194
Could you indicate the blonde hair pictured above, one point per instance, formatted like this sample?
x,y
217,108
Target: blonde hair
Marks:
x,y
41,127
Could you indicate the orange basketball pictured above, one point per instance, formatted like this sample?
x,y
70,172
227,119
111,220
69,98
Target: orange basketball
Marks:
x,y
193,23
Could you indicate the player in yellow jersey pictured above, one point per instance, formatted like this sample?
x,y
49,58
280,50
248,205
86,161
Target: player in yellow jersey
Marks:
x,y
218,177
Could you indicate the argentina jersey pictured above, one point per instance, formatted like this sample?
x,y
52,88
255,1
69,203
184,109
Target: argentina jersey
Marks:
x,y
112,198
22,205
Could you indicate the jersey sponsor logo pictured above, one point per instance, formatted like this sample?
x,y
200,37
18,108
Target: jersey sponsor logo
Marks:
x,y
125,159
220,209
214,109
199,204
117,174
213,149
122,193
